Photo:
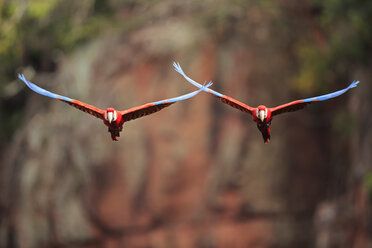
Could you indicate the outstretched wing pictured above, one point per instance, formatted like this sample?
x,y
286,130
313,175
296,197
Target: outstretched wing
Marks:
x,y
153,107
228,100
300,104
99,113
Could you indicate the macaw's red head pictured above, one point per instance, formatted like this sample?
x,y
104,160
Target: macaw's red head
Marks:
x,y
261,112
111,115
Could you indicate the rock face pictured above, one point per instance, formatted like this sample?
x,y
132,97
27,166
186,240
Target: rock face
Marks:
x,y
196,174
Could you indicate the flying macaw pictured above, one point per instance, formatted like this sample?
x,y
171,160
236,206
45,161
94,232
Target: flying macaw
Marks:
x,y
263,115
112,118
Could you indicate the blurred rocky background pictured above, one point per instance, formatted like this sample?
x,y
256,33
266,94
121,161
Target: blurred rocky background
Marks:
x,y
196,174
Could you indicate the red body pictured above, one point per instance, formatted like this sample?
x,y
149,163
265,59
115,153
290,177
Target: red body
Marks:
x,y
263,115
112,118
116,126
263,126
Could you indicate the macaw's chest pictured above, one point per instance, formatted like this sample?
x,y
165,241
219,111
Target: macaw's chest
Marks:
x,y
265,122
114,125
263,125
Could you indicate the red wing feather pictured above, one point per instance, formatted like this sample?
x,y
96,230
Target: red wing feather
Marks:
x,y
234,103
99,113
153,107
289,107
143,110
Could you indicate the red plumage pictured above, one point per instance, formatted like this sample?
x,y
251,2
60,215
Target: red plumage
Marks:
x,y
112,118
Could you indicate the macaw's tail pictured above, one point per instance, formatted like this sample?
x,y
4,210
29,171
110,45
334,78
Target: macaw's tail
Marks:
x,y
115,134
265,130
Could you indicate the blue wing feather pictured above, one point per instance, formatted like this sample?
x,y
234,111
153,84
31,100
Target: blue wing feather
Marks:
x,y
41,91
178,69
331,95
150,108
184,97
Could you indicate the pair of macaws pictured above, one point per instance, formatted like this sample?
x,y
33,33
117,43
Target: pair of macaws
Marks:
x,y
115,119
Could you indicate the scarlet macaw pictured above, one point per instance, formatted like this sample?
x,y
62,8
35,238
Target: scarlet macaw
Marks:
x,y
112,118
263,115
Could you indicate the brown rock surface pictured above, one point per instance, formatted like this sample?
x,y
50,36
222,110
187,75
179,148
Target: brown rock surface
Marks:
x,y
196,174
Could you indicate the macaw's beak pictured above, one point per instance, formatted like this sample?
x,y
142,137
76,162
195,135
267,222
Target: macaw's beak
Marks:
x,y
261,115
110,117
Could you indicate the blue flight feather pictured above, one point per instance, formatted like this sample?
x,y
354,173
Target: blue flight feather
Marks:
x,y
331,95
41,91
178,69
184,97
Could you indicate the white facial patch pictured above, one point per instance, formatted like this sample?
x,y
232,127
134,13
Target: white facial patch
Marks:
x,y
261,114
116,115
111,116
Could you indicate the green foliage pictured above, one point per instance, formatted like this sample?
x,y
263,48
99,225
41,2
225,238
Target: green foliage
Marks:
x,y
347,39
347,24
81,33
40,9
313,70
32,31
345,125
336,40
368,182
39,27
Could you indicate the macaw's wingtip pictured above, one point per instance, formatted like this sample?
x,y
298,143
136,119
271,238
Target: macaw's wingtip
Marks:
x,y
177,67
267,141
209,84
354,84
206,85
21,76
